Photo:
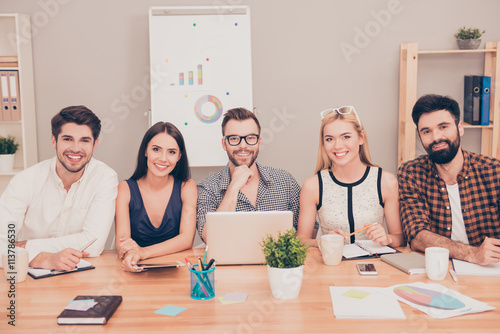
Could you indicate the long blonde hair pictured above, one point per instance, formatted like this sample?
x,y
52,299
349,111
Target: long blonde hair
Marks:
x,y
324,162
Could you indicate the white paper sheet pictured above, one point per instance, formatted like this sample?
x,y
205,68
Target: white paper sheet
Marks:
x,y
348,303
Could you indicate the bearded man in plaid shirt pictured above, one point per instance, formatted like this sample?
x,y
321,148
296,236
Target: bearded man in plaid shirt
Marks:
x,y
451,197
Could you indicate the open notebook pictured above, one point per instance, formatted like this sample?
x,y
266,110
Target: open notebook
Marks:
x,y
42,273
365,248
466,268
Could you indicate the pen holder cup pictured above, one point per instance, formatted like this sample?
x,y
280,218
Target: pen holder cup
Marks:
x,y
202,283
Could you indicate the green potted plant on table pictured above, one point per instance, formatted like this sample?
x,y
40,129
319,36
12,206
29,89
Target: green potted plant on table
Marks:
x,y
469,38
8,148
285,257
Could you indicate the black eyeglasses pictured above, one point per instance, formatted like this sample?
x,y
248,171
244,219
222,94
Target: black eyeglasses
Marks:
x,y
236,140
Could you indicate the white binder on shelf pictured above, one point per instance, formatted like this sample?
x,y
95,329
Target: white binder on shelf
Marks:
x,y
4,82
15,103
1,103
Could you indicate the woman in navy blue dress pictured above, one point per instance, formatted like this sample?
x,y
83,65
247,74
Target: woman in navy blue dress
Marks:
x,y
156,207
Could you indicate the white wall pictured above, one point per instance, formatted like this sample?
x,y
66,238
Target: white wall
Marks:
x,y
97,53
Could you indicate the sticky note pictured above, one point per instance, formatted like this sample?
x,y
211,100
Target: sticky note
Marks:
x,y
80,305
356,294
223,302
235,297
81,300
170,310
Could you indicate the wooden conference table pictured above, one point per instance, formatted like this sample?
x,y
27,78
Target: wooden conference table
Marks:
x,y
39,302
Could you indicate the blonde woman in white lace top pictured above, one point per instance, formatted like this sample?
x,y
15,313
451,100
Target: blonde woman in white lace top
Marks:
x,y
348,191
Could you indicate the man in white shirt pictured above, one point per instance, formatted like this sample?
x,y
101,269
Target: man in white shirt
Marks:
x,y
60,205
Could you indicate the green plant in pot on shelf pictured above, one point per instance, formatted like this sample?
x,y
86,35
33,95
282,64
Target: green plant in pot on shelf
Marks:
x,y
8,148
8,145
469,38
285,257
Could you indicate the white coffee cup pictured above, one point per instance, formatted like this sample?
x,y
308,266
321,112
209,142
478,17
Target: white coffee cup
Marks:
x,y
15,264
331,247
436,262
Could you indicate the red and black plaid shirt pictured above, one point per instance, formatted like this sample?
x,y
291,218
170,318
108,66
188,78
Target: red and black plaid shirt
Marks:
x,y
424,203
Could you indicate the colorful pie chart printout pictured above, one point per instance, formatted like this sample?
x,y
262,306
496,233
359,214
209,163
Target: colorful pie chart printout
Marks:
x,y
208,118
428,297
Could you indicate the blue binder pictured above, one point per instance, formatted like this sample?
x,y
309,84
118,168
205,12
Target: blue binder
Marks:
x,y
485,101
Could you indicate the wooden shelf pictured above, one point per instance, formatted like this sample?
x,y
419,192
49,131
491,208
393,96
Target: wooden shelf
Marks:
x,y
470,126
15,28
11,173
428,52
11,122
408,66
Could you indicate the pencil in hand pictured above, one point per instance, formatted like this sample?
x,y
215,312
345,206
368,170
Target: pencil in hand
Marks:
x,y
361,229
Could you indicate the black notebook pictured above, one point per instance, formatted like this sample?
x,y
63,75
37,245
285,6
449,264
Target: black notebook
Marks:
x,y
97,315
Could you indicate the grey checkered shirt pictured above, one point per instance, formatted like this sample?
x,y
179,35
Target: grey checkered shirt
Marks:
x,y
278,191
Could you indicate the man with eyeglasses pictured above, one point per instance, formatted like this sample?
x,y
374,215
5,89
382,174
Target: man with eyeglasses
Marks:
x,y
244,184
451,197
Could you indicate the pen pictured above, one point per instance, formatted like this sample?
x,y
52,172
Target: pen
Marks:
x,y
205,256
200,264
210,264
453,275
188,263
361,229
87,245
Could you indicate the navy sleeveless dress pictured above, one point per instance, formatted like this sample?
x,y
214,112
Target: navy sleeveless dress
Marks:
x,y
141,229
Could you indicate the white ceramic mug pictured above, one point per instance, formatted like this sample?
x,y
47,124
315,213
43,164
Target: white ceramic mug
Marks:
x,y
436,262
331,247
15,264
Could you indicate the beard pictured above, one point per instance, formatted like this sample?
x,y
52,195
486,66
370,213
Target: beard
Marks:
x,y
253,157
76,168
444,156
70,169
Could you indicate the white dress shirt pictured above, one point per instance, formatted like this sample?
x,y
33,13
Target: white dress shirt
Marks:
x,y
53,219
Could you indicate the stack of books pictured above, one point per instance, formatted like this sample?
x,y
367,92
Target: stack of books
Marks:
x,y
477,99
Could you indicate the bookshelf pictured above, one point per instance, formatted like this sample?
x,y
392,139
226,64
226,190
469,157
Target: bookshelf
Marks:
x,y
15,41
408,62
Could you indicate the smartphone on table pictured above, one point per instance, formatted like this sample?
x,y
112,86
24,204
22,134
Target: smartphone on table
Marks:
x,y
366,268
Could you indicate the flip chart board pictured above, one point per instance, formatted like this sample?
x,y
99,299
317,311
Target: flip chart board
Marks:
x,y
200,67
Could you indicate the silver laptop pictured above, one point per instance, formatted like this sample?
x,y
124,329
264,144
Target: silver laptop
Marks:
x,y
234,237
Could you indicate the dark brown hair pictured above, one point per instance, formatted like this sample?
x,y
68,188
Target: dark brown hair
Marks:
x,y
432,102
239,114
181,170
80,115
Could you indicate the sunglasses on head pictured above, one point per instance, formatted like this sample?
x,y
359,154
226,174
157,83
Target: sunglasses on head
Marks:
x,y
344,110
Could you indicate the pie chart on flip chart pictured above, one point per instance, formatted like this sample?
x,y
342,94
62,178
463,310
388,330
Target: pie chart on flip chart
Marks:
x,y
427,297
